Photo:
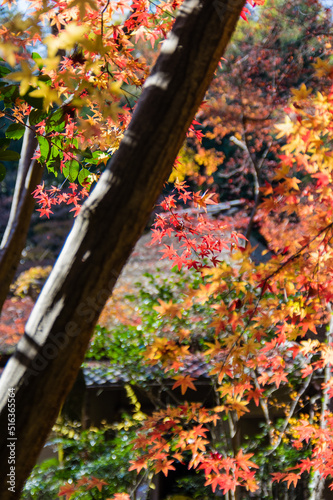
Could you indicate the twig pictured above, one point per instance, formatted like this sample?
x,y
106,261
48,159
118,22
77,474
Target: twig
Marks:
x,y
290,414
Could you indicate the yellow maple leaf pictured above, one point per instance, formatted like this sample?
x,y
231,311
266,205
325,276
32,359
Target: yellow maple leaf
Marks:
x,y
67,38
50,96
213,348
323,68
282,172
302,93
50,63
240,286
82,6
25,77
285,128
8,53
237,405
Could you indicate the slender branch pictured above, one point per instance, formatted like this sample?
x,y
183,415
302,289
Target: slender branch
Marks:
x,y
264,407
102,17
290,414
164,11
257,199
29,146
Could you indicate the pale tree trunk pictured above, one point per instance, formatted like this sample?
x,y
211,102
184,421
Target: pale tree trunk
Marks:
x,y
28,176
48,357
317,482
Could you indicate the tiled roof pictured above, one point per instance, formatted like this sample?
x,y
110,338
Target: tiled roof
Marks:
x,y
104,373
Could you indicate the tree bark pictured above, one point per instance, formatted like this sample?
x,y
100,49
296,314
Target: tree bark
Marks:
x,y
49,355
28,176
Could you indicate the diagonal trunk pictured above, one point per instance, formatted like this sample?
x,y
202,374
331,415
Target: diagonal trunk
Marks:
x,y
49,355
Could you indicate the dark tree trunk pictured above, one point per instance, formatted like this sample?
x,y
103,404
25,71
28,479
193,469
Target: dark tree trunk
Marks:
x,y
49,355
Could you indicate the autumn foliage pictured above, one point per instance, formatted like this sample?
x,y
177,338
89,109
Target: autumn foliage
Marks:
x,y
267,317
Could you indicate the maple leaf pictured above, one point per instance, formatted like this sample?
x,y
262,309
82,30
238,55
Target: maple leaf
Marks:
x,y
328,386
67,38
224,481
214,349
309,346
175,365
179,457
83,481
8,52
45,211
140,463
324,179
49,95
307,371
169,252
164,466
322,67
292,183
96,482
170,308
76,210
285,128
292,477
244,462
263,378
278,377
302,93
214,481
305,431
185,382
25,77
251,484
67,491
237,405
82,6
278,476
255,394
203,200
280,173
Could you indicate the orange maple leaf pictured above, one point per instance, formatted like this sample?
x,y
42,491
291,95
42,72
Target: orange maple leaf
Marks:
x,y
185,382
292,183
203,200
95,481
67,491
244,462
164,466
139,464
169,309
292,477
278,377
